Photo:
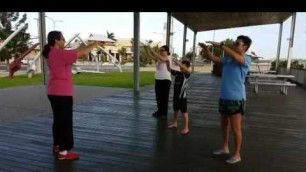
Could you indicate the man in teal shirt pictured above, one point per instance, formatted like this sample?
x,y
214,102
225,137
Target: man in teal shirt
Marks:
x,y
236,65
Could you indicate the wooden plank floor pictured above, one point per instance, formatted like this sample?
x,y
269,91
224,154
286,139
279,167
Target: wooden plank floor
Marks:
x,y
118,133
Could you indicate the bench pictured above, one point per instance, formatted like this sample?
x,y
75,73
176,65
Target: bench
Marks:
x,y
283,88
270,79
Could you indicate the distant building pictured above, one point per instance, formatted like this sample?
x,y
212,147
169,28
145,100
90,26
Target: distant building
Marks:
x,y
101,38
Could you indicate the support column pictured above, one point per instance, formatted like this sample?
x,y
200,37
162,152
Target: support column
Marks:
x,y
43,42
184,41
291,41
136,50
194,50
280,32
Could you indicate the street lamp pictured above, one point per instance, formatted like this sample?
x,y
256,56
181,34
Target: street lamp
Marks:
x,y
54,21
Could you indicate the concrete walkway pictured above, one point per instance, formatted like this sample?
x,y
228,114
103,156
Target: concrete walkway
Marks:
x,y
20,102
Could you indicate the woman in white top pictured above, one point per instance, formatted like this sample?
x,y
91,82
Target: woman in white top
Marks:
x,y
162,79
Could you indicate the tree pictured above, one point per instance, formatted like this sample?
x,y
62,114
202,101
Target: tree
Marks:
x,y
174,55
149,42
122,51
143,55
217,51
132,43
190,55
110,35
283,64
18,44
217,67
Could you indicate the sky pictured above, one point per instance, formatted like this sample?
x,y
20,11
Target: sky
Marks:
x,y
265,37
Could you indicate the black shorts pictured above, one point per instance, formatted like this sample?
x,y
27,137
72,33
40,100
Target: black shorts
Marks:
x,y
180,104
232,107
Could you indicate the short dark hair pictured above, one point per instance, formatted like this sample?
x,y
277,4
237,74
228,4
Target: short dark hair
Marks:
x,y
186,62
166,48
246,40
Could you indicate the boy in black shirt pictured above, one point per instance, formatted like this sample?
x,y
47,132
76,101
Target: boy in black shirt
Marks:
x,y
180,93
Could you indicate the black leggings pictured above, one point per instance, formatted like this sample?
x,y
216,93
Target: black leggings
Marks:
x,y
162,89
62,107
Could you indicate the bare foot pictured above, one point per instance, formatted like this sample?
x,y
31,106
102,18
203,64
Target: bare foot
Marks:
x,y
172,126
185,131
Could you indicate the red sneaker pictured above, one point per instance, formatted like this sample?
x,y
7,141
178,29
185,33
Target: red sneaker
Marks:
x,y
55,149
68,156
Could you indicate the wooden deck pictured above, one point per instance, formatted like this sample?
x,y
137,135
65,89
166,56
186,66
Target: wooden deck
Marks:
x,y
118,133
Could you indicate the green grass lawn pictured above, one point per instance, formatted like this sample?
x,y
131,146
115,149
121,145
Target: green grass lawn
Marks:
x,y
112,79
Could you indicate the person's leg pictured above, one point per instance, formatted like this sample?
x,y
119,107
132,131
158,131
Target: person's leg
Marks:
x,y
165,97
167,92
66,136
158,90
236,128
186,123
63,121
183,107
69,140
236,123
176,109
66,126
55,128
175,120
225,125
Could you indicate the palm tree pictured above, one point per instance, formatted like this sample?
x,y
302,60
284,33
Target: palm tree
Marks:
x,y
122,52
149,42
110,35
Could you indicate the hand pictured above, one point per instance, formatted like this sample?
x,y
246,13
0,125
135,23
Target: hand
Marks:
x,y
216,44
203,45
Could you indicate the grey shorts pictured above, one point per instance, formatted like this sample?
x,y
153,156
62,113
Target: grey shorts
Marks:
x,y
232,107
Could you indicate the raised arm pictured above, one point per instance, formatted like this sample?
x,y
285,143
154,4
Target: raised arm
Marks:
x,y
156,55
83,51
211,56
149,53
186,69
232,54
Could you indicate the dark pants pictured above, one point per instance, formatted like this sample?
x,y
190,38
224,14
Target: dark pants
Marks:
x,y
62,107
162,89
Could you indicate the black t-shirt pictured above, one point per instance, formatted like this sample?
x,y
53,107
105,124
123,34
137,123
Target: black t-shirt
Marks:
x,y
180,84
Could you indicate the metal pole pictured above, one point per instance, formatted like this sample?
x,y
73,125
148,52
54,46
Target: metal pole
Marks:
x,y
171,38
280,32
291,40
212,50
184,40
136,50
194,49
43,41
168,29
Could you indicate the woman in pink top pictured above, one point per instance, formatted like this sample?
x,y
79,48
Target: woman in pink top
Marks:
x,y
60,91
